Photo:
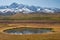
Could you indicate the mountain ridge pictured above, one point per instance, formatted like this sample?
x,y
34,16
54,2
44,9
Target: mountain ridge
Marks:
x,y
17,8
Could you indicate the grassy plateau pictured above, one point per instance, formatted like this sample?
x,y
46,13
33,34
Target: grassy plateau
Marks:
x,y
35,20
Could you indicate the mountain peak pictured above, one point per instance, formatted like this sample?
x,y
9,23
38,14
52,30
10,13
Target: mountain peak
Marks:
x,y
14,5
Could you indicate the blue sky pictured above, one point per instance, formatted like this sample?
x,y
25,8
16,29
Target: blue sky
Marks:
x,y
42,3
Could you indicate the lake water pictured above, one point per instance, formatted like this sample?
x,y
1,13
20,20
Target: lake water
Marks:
x,y
25,30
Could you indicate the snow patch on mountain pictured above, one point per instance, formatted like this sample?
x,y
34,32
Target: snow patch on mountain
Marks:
x,y
48,11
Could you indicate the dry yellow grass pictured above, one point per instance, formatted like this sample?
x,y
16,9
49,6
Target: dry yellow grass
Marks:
x,y
46,36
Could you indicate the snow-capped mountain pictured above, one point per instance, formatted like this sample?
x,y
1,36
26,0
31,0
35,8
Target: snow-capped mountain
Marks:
x,y
14,8
48,10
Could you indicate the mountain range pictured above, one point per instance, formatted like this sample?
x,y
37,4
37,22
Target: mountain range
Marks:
x,y
17,8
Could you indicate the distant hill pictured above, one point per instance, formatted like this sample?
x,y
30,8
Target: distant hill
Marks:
x,y
32,16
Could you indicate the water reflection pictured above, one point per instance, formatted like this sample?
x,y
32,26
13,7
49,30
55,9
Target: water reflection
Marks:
x,y
25,30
